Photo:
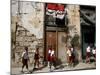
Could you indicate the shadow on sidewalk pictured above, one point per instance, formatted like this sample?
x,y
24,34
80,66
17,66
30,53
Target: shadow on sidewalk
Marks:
x,y
36,69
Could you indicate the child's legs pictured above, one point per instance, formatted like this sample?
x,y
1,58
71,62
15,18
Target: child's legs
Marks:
x,y
38,63
23,62
50,64
35,64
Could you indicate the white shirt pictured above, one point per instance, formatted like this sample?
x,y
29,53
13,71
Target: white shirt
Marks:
x,y
49,51
72,49
52,52
88,49
94,51
23,53
69,52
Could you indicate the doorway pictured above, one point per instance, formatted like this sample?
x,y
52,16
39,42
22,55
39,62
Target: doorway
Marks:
x,y
51,42
88,38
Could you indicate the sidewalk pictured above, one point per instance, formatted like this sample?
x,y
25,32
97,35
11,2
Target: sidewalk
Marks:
x,y
64,67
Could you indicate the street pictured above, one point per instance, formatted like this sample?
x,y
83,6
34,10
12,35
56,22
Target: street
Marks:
x,y
63,67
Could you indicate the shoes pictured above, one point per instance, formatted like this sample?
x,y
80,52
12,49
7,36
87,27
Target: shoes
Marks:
x,y
28,71
22,71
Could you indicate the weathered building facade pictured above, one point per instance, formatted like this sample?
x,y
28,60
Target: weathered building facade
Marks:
x,y
58,29
36,24
28,28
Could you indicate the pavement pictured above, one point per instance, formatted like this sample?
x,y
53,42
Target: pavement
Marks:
x,y
63,67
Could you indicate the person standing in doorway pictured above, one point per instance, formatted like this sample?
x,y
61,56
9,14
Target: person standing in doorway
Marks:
x,y
25,59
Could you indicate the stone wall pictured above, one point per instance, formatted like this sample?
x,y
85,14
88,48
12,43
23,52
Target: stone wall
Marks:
x,y
74,25
74,19
27,26
23,39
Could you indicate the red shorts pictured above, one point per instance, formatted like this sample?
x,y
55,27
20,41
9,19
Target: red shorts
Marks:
x,y
49,58
70,58
88,54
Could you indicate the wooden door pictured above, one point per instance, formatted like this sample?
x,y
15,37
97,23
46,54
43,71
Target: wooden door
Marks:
x,y
50,41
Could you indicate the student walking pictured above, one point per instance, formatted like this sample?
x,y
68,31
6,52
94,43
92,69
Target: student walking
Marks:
x,y
52,59
88,54
49,53
94,53
25,59
69,56
36,58
72,56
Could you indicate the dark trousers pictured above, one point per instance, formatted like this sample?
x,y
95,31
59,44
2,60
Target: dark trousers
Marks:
x,y
52,63
25,63
36,63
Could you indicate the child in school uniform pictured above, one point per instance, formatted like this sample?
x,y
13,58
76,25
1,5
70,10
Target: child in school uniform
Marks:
x,y
49,53
88,54
94,53
69,56
25,59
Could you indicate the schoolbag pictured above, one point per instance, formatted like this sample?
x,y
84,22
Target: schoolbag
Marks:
x,y
25,56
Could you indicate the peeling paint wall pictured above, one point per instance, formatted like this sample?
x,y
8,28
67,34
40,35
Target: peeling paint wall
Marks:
x,y
74,19
32,17
62,47
14,20
27,22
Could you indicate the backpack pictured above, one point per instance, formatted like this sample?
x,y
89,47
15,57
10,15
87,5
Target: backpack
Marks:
x,y
25,56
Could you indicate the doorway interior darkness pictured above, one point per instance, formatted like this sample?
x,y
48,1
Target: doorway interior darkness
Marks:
x,y
88,34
